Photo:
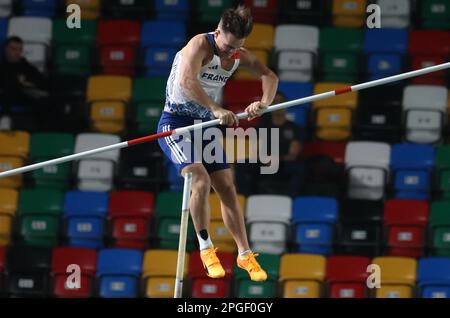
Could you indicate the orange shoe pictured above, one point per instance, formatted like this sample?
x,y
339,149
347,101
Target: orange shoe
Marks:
x,y
211,263
251,265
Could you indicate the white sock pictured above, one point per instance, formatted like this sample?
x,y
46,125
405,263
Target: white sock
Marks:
x,y
243,254
204,244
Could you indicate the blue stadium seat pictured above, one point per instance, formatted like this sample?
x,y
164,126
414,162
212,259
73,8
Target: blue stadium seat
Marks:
x,y
433,276
118,271
163,33
158,61
85,214
39,8
172,10
385,49
314,218
3,29
412,165
295,90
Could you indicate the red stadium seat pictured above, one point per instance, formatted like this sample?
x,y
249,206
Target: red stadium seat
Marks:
x,y
436,78
130,213
335,150
346,276
2,265
405,222
65,256
202,286
117,40
263,11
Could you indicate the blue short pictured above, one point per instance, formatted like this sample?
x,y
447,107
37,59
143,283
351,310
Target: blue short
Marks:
x,y
183,151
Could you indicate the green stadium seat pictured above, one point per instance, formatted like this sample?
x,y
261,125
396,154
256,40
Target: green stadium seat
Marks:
x,y
46,146
148,99
440,227
340,51
38,212
435,14
443,170
210,11
168,216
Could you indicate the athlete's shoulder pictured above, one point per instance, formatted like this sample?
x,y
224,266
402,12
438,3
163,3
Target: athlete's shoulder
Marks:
x,y
199,42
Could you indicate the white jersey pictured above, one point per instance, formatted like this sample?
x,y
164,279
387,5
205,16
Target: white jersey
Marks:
x,y
212,78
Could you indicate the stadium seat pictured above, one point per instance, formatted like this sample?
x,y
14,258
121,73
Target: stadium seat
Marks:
x,y
130,213
85,214
440,228
435,14
108,97
117,41
62,259
8,208
333,150
38,213
3,29
398,277
15,143
245,288
333,117
349,13
9,163
167,214
243,73
405,222
28,269
46,146
90,8
210,11
261,38
218,231
314,218
39,8
159,271
97,172
433,277
443,170
263,11
340,50
346,276
385,49
268,219
134,10
308,12
73,47
118,273
379,118
302,275
296,48
367,165
148,100
6,8
205,287
36,34
395,13
172,10
425,110
298,114
411,166
360,231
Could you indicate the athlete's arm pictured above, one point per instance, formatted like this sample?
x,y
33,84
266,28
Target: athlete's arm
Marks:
x,y
195,52
268,78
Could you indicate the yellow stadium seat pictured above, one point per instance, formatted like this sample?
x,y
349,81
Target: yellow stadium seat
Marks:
x,y
398,276
8,208
243,74
333,124
349,100
108,96
301,289
8,163
349,13
159,271
216,210
90,9
14,143
261,38
222,237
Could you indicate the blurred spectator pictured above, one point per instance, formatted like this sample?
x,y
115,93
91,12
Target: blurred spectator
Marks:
x,y
289,178
20,81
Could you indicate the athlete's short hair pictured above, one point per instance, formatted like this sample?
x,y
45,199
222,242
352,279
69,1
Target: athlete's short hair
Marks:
x,y
238,22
